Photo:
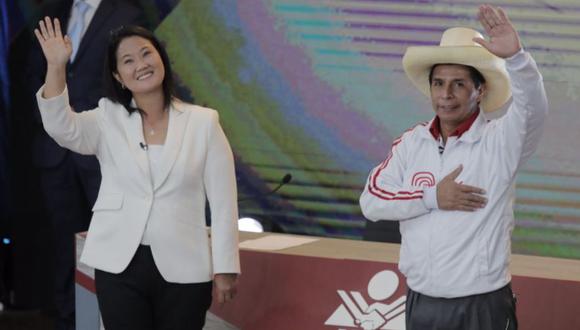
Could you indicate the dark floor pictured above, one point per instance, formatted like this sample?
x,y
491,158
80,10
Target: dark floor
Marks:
x,y
26,320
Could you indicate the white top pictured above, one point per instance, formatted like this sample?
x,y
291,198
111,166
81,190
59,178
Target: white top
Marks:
x,y
453,253
93,5
154,153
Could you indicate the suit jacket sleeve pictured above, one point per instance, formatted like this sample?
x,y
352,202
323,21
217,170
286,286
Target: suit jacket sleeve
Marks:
x,y
220,185
79,132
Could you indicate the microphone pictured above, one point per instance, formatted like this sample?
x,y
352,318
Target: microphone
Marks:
x,y
287,178
143,146
284,181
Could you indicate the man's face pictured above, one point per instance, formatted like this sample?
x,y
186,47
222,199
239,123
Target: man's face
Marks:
x,y
453,93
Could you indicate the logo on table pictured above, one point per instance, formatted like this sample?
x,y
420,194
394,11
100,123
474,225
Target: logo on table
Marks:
x,y
356,312
423,179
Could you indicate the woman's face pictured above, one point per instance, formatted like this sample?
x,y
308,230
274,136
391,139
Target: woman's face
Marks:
x,y
139,66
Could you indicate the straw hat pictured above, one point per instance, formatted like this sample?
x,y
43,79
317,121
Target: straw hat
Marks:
x,y
457,47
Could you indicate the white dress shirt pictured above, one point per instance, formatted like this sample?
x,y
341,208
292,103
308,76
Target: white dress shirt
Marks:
x,y
155,154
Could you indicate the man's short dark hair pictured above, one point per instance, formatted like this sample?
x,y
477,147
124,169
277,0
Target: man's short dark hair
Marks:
x,y
474,74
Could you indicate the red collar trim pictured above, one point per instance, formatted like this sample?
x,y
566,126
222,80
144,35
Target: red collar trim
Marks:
x,y
435,128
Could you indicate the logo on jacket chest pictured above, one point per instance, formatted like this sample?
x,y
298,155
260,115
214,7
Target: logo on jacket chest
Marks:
x,y
423,179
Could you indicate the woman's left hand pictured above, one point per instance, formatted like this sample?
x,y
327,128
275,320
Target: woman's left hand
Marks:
x,y
56,48
226,286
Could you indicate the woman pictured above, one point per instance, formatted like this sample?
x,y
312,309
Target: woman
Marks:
x,y
159,160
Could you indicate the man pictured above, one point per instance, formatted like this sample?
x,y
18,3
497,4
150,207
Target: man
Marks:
x,y
69,182
450,182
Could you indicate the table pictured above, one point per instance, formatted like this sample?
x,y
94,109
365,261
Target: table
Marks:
x,y
328,283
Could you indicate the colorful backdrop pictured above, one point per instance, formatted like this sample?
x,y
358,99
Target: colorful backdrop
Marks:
x,y
315,88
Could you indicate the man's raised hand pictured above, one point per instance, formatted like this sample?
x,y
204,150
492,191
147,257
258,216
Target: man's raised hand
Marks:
x,y
503,40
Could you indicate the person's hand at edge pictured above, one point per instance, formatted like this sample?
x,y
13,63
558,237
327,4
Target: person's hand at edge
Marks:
x,y
226,287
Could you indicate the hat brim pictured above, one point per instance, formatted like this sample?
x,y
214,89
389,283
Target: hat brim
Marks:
x,y
418,62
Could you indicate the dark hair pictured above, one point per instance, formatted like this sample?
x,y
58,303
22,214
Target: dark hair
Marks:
x,y
474,74
113,88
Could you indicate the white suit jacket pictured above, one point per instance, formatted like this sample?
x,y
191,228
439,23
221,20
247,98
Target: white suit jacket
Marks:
x,y
197,162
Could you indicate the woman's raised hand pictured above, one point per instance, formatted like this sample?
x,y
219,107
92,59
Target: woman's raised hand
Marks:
x,y
56,48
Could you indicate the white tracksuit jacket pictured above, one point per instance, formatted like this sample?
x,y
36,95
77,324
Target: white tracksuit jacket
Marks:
x,y
454,253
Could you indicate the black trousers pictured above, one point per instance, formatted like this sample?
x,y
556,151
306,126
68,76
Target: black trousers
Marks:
x,y
140,299
489,311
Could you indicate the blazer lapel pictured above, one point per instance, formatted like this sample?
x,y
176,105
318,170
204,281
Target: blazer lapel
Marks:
x,y
134,130
178,119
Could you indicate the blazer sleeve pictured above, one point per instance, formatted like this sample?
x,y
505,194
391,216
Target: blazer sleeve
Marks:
x,y
79,132
220,186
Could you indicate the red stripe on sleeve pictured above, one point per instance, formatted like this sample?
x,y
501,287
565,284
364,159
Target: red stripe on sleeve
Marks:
x,y
389,195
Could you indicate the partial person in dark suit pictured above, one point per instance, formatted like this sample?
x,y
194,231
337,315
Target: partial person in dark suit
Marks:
x,y
70,181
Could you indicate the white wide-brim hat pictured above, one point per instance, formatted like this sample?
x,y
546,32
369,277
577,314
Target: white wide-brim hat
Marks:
x,y
457,47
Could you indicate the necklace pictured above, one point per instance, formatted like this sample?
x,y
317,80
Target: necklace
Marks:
x,y
151,129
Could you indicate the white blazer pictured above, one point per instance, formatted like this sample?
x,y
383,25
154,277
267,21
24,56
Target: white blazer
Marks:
x,y
197,162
